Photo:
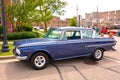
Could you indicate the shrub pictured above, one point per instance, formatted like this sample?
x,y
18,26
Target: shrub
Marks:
x,y
27,28
22,35
37,34
1,29
24,28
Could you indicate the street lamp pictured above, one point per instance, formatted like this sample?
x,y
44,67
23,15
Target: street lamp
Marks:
x,y
77,15
5,47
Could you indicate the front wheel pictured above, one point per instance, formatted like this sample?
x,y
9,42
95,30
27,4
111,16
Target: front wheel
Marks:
x,y
39,61
97,55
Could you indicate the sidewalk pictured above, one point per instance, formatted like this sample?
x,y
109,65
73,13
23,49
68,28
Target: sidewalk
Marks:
x,y
6,57
8,42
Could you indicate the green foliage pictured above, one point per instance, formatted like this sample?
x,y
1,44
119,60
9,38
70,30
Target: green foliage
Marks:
x,y
37,34
73,22
21,11
26,11
24,28
22,35
1,29
49,7
41,33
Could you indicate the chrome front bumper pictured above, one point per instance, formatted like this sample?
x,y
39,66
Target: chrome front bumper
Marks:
x,y
21,58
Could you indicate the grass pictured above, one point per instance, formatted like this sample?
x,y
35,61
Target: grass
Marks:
x,y
41,32
11,46
10,53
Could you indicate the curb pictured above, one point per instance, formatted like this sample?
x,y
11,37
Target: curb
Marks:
x,y
8,42
6,57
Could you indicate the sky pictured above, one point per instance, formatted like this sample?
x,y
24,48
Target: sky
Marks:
x,y
89,6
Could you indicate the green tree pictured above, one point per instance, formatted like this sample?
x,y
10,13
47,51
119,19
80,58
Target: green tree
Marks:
x,y
20,13
73,21
49,7
11,10
28,11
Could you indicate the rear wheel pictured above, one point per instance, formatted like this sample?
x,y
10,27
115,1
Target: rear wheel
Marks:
x,y
39,61
97,55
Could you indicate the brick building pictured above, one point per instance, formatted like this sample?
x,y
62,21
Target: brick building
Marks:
x,y
118,16
105,18
57,22
8,24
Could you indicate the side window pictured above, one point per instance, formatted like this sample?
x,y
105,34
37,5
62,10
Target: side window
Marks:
x,y
70,35
95,34
86,34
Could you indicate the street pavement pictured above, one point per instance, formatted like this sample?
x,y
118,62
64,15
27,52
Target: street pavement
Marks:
x,y
72,69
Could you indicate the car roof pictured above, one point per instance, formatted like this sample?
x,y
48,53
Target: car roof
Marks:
x,y
73,28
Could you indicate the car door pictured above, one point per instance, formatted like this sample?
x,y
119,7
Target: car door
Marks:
x,y
88,40
71,45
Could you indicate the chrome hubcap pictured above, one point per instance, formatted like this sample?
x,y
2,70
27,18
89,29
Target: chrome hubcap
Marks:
x,y
98,54
39,61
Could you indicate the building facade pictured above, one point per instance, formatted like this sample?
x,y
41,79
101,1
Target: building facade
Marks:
x,y
8,24
57,22
104,18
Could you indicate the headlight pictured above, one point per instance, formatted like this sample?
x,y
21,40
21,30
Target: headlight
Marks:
x,y
17,51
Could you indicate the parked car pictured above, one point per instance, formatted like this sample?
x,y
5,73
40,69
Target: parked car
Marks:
x,y
62,43
38,27
114,32
108,31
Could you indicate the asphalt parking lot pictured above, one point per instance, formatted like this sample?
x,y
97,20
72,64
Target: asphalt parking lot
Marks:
x,y
72,69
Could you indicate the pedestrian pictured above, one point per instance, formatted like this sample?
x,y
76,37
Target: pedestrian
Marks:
x,y
98,29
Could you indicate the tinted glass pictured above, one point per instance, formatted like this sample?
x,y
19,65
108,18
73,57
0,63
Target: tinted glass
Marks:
x,y
86,34
53,33
72,35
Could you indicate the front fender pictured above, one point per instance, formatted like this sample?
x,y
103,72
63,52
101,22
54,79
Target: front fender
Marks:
x,y
39,50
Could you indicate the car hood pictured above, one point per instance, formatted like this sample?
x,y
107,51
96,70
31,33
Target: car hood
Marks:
x,y
31,42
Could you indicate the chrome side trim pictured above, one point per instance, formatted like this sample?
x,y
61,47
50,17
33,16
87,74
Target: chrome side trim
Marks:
x,y
108,44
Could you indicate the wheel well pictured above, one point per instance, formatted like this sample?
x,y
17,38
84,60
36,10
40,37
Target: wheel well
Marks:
x,y
49,56
102,49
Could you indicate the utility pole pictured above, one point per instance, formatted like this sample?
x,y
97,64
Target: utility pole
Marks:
x,y
79,20
97,16
77,17
5,47
115,17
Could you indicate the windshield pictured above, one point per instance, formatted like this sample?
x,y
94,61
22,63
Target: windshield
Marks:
x,y
53,33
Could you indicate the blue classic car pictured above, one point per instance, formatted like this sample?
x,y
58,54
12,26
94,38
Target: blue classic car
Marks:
x,y
62,43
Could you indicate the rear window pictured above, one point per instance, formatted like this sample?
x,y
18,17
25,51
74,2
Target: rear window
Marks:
x,y
86,34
